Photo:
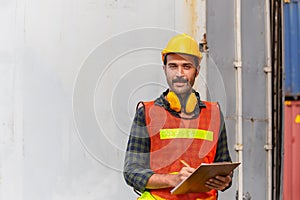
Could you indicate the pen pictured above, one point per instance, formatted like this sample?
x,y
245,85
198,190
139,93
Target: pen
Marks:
x,y
184,163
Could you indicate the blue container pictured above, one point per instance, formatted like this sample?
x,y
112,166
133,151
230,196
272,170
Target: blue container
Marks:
x,y
292,47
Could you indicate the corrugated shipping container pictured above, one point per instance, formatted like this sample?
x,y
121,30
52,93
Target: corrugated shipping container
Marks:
x,y
64,133
292,47
291,180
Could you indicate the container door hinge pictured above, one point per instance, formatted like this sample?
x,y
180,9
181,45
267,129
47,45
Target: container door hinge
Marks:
x,y
246,196
237,64
268,147
268,69
238,147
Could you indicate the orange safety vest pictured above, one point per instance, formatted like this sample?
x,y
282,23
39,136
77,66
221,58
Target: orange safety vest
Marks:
x,y
174,139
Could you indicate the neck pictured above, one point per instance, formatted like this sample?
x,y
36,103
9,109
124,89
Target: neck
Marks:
x,y
183,97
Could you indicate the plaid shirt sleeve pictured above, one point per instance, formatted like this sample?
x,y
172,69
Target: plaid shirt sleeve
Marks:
x,y
222,154
136,166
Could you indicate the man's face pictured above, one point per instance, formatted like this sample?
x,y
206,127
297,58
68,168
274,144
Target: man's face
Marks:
x,y
180,73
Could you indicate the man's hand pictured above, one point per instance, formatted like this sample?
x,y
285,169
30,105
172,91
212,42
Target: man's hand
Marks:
x,y
219,182
182,174
158,181
185,172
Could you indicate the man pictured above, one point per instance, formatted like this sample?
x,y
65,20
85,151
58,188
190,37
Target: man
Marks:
x,y
169,136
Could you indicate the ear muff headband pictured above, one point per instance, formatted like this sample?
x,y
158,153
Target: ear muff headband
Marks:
x,y
175,104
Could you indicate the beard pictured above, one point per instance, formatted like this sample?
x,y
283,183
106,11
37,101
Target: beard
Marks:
x,y
181,86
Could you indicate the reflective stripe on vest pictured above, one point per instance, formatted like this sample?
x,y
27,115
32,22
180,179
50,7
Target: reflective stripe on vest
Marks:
x,y
186,133
148,196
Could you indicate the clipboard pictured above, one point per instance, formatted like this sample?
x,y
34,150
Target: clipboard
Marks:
x,y
196,181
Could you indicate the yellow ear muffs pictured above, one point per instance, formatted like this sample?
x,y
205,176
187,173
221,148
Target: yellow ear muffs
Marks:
x,y
174,101
175,104
191,103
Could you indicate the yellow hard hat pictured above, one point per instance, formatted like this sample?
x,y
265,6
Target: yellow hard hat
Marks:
x,y
182,43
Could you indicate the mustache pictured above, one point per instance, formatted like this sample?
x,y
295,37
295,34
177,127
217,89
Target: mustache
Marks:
x,y
179,80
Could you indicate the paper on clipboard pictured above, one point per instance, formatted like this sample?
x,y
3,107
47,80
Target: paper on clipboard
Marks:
x,y
196,181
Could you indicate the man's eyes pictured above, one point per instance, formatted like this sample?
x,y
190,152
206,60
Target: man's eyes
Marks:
x,y
187,66
172,66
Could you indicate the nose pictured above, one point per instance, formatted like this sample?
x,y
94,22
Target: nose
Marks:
x,y
180,71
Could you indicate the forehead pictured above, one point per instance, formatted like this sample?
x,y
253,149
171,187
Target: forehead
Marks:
x,y
174,57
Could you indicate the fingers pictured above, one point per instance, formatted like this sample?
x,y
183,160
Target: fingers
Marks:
x,y
186,172
188,169
219,182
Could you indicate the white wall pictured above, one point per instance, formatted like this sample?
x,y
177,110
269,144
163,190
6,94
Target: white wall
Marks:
x,y
71,72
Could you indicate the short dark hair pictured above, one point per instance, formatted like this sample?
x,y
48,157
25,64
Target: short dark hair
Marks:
x,y
196,59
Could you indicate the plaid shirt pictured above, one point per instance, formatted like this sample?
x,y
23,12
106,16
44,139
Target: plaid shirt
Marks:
x,y
136,167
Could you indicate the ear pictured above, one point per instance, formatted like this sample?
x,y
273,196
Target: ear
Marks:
x,y
197,70
164,68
